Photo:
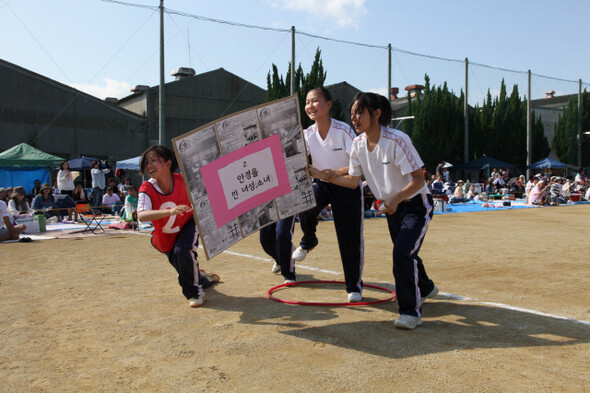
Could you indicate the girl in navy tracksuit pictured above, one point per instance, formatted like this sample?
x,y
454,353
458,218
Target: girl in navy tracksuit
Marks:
x,y
393,170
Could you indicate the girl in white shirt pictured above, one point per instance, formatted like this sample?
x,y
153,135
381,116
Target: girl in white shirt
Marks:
x,y
65,180
329,142
393,170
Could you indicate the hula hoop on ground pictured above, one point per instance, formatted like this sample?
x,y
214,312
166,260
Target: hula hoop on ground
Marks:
x,y
300,303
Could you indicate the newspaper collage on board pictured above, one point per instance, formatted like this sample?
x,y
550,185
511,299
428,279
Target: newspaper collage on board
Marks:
x,y
245,171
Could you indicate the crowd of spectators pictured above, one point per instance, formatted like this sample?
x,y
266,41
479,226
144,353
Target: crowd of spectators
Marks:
x,y
67,192
540,189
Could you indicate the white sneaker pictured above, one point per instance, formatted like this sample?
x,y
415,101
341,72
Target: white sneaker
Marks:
x,y
276,268
432,294
299,254
197,301
289,281
354,297
409,322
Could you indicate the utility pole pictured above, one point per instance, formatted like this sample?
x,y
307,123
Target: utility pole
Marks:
x,y
162,99
529,134
389,77
466,116
292,60
579,123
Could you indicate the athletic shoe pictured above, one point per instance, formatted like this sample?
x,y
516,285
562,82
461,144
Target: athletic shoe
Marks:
x,y
276,268
432,294
299,254
289,281
409,322
212,277
354,297
197,301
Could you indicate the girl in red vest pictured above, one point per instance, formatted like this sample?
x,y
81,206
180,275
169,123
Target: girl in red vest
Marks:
x,y
163,200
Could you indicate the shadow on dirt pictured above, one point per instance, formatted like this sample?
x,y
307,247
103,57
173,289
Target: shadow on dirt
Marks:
x,y
447,326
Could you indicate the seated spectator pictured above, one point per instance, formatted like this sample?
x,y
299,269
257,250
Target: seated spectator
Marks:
x,y
18,204
581,178
369,200
567,188
111,202
494,174
448,189
35,190
3,195
490,189
518,187
8,231
472,194
9,191
55,188
123,187
530,185
326,214
538,195
499,183
130,208
458,195
466,186
44,202
112,182
556,191
437,186
78,194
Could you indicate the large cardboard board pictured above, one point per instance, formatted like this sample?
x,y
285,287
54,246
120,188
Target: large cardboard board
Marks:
x,y
245,171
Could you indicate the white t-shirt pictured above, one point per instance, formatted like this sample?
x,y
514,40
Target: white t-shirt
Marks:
x,y
388,167
108,200
144,201
332,152
3,213
65,181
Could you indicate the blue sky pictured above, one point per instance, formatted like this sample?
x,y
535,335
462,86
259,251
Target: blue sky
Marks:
x,y
106,48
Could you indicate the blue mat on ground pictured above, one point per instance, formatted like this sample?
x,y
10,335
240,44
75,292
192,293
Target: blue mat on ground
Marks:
x,y
477,206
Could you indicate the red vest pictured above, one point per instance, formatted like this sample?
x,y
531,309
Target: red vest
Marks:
x,y
166,229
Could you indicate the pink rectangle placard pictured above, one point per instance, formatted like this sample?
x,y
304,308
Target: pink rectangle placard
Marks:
x,y
246,187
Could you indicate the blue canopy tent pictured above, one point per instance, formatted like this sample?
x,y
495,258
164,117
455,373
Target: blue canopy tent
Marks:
x,y
547,163
22,164
129,164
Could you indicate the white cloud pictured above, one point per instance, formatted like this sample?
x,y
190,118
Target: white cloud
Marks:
x,y
344,13
110,88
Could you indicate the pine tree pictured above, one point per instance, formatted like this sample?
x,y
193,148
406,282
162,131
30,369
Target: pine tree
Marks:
x,y
565,139
277,87
437,128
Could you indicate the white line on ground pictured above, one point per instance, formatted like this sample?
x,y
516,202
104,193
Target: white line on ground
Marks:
x,y
449,296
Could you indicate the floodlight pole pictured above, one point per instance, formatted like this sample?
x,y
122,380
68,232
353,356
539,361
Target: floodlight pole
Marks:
x,y
162,99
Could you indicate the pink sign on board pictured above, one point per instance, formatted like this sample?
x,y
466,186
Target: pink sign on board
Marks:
x,y
246,178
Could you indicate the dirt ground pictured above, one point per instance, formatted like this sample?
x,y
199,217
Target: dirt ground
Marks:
x,y
105,314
